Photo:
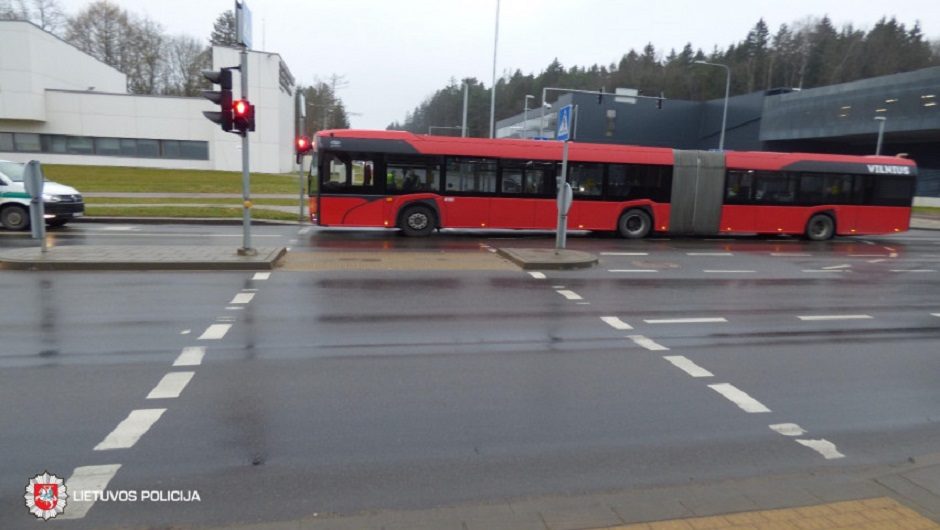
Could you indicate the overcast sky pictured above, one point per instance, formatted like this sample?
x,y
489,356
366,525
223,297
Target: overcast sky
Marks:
x,y
395,53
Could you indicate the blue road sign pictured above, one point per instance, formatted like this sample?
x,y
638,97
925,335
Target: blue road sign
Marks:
x,y
563,131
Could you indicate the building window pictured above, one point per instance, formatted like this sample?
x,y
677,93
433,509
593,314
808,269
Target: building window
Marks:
x,y
27,142
101,146
6,141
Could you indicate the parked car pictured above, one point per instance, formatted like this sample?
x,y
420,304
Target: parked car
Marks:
x,y
62,203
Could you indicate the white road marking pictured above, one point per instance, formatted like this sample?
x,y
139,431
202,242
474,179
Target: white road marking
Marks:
x,y
570,295
688,366
215,332
126,434
293,242
893,255
225,319
824,447
491,249
790,254
649,344
261,276
249,290
625,253
913,270
824,270
890,249
877,260
835,317
242,298
558,287
233,308
584,303
171,386
186,332
935,314
788,429
538,275
834,267
868,255
616,323
728,272
303,231
686,320
121,229
86,478
632,270
739,398
190,356
868,242
714,254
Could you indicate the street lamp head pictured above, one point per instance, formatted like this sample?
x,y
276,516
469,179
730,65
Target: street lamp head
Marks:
x,y
880,118
547,105
529,96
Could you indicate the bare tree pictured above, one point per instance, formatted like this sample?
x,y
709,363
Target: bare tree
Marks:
x,y
47,14
187,57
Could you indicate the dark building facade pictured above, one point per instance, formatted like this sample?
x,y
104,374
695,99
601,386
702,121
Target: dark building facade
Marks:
x,y
832,119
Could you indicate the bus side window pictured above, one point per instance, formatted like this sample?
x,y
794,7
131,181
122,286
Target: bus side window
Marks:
x,y
738,187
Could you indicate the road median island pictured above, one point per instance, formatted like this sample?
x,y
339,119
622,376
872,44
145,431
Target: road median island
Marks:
x,y
548,258
393,260
136,258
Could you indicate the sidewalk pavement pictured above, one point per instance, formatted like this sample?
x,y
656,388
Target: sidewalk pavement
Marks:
x,y
904,495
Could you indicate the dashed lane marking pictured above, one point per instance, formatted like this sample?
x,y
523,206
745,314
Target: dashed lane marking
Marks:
x,y
190,356
215,332
790,254
261,276
709,271
835,317
712,254
625,253
935,314
242,298
868,255
739,398
86,478
877,260
171,386
647,343
913,270
570,295
788,429
824,447
688,366
126,434
233,308
836,267
713,320
538,275
632,270
304,231
824,270
616,323
186,332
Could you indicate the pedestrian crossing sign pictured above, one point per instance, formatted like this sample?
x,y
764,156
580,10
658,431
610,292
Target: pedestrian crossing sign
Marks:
x,y
563,131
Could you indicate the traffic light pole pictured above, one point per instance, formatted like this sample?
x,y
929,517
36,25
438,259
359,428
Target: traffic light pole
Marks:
x,y
246,249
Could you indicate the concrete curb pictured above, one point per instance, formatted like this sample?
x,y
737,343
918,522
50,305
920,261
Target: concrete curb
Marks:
x,y
139,258
548,258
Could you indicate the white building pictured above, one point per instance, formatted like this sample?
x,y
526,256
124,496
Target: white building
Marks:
x,y
59,105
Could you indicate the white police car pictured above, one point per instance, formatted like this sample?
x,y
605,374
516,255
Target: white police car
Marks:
x,y
61,203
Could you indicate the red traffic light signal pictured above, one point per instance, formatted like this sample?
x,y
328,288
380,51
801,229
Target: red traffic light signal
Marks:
x,y
243,115
302,145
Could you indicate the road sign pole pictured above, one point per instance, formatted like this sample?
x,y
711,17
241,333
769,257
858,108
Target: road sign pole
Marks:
x,y
34,181
301,115
246,249
563,202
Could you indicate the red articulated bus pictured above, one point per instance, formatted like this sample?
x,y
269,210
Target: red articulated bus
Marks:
x,y
418,183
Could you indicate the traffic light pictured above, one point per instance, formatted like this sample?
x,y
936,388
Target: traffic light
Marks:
x,y
243,116
221,97
303,146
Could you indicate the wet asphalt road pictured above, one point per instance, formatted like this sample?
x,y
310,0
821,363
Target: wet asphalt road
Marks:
x,y
342,391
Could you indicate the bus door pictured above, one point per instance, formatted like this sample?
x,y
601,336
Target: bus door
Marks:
x,y
524,187
470,186
698,187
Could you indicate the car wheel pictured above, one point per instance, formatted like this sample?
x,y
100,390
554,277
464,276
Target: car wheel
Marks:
x,y
634,224
15,217
820,227
417,221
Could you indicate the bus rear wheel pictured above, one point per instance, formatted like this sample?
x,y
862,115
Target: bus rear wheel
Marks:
x,y
820,227
634,224
417,221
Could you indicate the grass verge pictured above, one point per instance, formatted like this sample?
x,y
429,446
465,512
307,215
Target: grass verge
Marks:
x,y
171,201
186,212
153,180
927,210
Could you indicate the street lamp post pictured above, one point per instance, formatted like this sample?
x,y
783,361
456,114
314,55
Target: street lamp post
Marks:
x,y
493,89
525,116
724,114
881,133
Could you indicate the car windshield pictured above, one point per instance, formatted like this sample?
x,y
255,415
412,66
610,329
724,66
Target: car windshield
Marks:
x,y
12,170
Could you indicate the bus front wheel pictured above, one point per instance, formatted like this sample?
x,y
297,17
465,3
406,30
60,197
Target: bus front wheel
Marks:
x,y
634,224
820,227
14,217
417,221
